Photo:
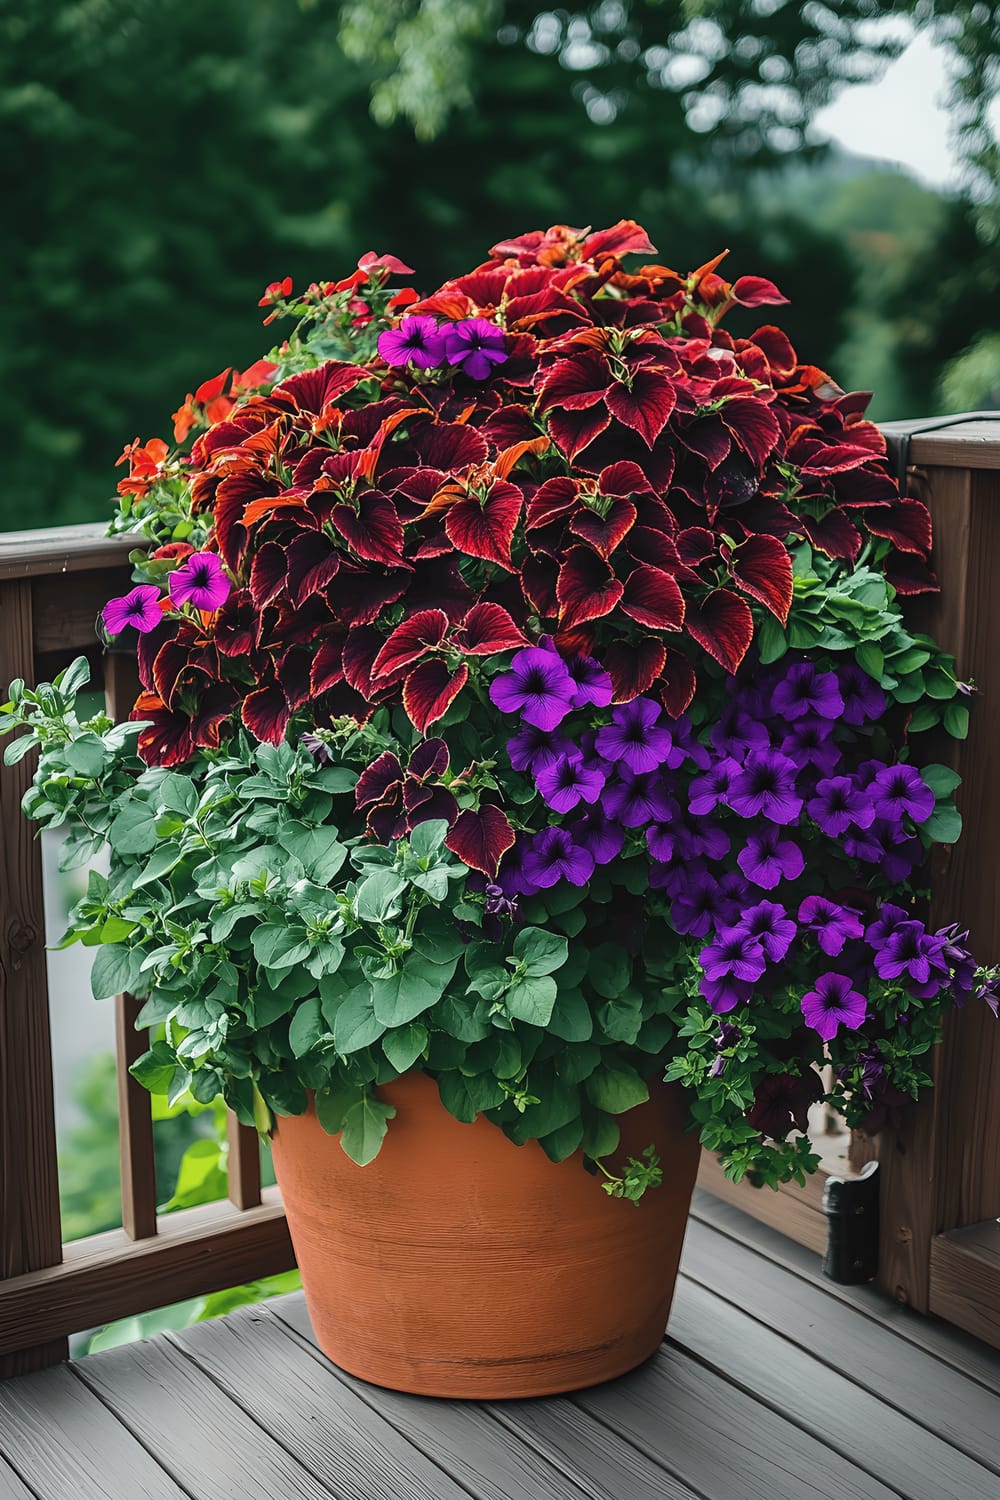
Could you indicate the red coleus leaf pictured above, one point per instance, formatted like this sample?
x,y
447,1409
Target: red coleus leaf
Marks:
x,y
373,531
430,690
708,437
376,780
267,574
266,714
723,625
762,568
755,291
481,838
362,646
909,575
678,681
624,238
168,740
653,598
430,758
820,458
574,430
312,562
485,528
576,383
586,588
422,632
328,666
553,501
753,425
486,629
645,404
832,534
634,666
358,596
906,524
604,532
777,347
539,576
624,478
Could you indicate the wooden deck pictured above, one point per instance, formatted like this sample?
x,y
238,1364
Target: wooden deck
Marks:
x,y
772,1383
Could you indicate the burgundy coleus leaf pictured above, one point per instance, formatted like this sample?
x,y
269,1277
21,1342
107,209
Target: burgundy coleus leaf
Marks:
x,y
820,457
754,426
539,577
756,291
422,632
361,647
233,495
586,588
234,626
762,568
653,598
373,531
328,666
777,348
450,445
575,430
624,238
605,531
265,713
708,437
481,838
376,781
312,562
430,758
723,625
576,383
485,527
909,574
486,629
624,478
832,534
292,671
182,664
634,666
167,740
645,404
358,595
553,501
425,804
907,524
268,572
678,681
430,690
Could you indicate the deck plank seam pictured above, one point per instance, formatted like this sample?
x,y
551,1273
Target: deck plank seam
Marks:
x,y
74,1367
829,1364
11,1466
829,1289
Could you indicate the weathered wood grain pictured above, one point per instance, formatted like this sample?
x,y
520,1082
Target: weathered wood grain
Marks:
x,y
209,1444
792,1213
66,607
57,1433
30,1234
63,549
243,1163
11,1487
965,1279
109,1276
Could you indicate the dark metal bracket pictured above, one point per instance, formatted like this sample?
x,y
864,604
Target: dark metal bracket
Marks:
x,y
851,1206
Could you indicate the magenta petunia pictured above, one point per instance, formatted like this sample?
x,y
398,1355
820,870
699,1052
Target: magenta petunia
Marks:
x,y
201,581
417,341
140,609
475,346
538,687
833,1003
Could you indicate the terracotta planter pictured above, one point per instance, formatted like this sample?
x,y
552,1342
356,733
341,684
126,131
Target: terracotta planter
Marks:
x,y
458,1264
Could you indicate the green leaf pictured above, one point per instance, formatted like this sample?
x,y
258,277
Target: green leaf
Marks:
x,y
532,999
939,684
561,1143
116,929
925,716
417,986
956,720
772,642
365,1125
437,937
307,1026
870,659
610,970
19,748
155,1069
74,677
115,970
942,780
86,755
378,896
404,1046
427,838
177,794
278,946
202,1177
944,825
351,1016
133,831
334,1103
616,1089
163,861
542,952
319,850
571,1018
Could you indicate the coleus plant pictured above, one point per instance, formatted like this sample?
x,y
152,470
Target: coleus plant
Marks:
x,y
526,700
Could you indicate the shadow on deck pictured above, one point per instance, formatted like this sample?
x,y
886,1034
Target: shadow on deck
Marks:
x,y
772,1383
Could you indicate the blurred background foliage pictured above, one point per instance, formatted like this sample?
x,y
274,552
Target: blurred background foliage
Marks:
x,y
165,159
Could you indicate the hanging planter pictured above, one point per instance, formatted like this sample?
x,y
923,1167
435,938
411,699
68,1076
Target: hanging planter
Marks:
x,y
527,783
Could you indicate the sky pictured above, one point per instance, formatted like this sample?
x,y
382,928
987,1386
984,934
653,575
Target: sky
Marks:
x,y
901,117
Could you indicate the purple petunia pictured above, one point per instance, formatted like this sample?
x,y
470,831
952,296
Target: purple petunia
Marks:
x,y
554,856
863,699
901,790
833,1003
602,838
634,736
766,788
637,800
723,995
831,924
534,749
708,791
140,608
475,346
735,954
839,804
593,685
567,782
889,917
810,742
538,687
200,581
417,341
803,690
697,901
660,841
771,925
768,859
911,952
737,732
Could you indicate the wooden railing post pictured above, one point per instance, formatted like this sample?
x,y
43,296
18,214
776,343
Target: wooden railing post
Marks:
x,y
30,1231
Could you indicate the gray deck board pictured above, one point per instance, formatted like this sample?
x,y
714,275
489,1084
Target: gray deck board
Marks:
x,y
773,1384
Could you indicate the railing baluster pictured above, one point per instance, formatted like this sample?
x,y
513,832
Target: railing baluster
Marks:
x,y
244,1163
31,1236
135,1121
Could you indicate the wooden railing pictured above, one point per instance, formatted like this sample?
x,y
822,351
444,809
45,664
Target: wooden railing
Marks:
x,y
52,586
940,1168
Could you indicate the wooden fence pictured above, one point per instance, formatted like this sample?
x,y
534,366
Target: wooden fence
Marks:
x,y
940,1169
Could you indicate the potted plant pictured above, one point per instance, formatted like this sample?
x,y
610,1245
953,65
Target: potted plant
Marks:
x,y
526,784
